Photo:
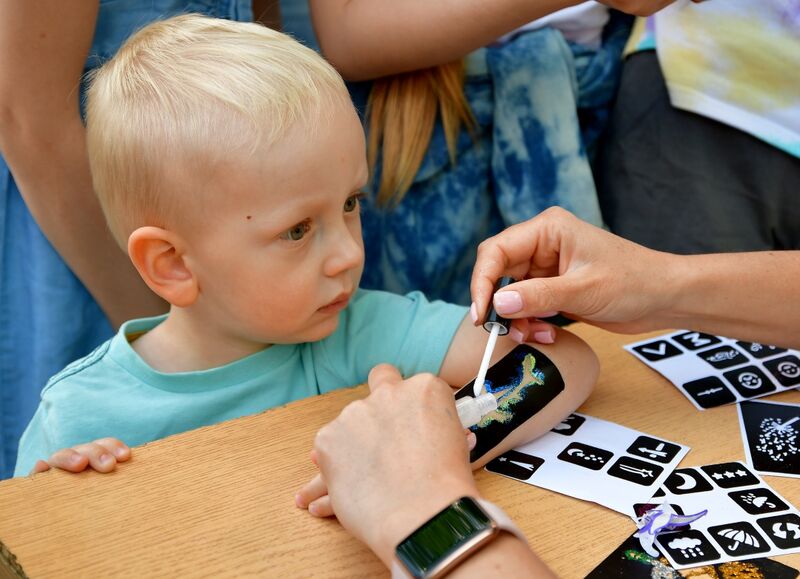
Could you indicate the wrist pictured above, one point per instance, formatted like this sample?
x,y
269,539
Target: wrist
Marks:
x,y
670,281
409,515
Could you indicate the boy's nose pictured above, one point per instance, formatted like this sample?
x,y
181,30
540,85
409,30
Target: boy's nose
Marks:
x,y
345,254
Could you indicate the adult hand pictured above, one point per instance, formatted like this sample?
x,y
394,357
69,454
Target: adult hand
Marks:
x,y
394,459
101,455
575,268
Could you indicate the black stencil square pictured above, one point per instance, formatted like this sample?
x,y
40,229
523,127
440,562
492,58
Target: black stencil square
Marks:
x,y
771,435
654,449
749,381
515,464
585,456
758,501
783,530
739,539
569,425
757,350
696,340
687,547
730,475
786,369
709,392
635,470
723,357
684,481
658,350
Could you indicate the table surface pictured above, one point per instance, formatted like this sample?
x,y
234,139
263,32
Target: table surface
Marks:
x,y
219,501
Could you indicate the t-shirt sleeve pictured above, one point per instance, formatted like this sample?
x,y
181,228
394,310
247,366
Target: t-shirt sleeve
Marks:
x,y
380,327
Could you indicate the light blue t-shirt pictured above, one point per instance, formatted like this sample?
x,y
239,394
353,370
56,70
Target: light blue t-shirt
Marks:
x,y
113,392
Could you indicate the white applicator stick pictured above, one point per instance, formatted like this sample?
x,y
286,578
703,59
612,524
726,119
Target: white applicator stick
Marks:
x,y
477,387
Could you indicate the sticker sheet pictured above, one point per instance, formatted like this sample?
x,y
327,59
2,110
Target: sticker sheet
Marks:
x,y
712,370
746,518
771,437
629,561
594,460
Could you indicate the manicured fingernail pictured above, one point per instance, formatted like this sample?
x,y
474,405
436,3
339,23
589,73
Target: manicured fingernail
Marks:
x,y
120,452
516,335
509,302
544,337
313,509
472,440
104,458
298,500
473,313
75,458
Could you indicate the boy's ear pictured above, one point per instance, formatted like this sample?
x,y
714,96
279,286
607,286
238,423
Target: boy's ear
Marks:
x,y
158,255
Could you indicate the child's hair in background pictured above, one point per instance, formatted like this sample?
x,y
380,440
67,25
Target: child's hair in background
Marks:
x,y
402,113
184,93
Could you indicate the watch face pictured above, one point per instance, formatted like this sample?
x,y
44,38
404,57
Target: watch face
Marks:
x,y
446,538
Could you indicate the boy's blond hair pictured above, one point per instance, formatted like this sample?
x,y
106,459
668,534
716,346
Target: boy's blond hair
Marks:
x,y
184,92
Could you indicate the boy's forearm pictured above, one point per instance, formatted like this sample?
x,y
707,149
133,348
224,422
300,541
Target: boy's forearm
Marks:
x,y
752,296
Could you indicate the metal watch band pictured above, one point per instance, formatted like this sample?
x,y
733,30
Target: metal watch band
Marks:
x,y
503,521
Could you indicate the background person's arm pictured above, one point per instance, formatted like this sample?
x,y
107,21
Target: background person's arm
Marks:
x,y
367,39
43,47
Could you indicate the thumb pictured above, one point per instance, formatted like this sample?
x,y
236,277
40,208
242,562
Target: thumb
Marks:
x,y
539,297
383,374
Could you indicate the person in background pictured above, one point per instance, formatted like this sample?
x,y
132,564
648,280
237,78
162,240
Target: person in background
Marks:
x,y
703,148
64,284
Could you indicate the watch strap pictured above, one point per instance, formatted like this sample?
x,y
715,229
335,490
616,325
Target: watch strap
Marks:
x,y
498,515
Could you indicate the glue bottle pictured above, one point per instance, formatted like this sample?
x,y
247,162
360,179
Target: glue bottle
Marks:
x,y
471,410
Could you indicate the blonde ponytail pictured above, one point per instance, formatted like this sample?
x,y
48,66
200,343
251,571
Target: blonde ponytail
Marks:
x,y
402,111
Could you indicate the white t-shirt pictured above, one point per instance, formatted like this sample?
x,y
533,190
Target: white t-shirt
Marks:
x,y
582,24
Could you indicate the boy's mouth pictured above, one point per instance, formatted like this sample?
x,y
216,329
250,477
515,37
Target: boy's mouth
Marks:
x,y
337,304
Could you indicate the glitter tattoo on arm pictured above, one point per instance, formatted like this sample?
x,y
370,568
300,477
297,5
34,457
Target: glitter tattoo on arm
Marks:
x,y
523,382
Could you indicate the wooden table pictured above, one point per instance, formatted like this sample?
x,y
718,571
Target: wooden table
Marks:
x,y
219,501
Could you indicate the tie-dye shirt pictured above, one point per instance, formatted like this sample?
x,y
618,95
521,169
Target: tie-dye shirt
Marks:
x,y
735,61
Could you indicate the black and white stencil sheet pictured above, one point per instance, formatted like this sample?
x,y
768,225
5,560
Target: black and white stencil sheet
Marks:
x,y
771,437
712,370
746,518
594,460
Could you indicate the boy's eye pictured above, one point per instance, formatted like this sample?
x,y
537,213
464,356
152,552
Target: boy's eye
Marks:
x,y
352,202
297,232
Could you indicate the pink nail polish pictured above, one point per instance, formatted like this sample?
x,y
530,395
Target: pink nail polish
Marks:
x,y
473,313
544,337
516,335
508,302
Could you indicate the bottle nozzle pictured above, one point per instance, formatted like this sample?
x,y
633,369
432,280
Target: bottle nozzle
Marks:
x,y
471,410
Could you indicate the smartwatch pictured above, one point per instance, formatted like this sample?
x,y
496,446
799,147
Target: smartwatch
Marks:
x,y
450,536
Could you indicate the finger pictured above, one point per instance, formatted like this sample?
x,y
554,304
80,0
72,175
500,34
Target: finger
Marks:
x,y
116,447
526,330
100,459
472,440
69,460
322,507
311,491
382,375
512,252
531,297
40,466
314,457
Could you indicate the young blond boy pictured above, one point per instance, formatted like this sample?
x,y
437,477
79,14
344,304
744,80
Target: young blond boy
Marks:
x,y
229,160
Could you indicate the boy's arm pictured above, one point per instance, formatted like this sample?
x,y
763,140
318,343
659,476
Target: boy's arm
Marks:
x,y
574,359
